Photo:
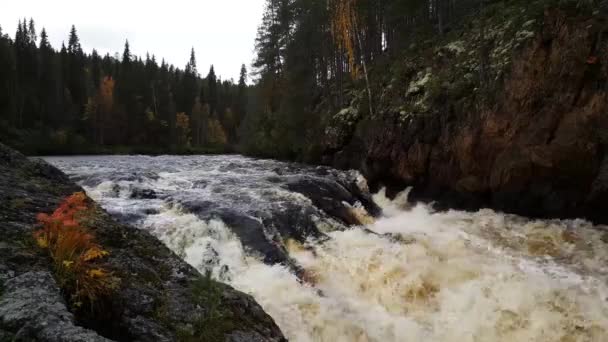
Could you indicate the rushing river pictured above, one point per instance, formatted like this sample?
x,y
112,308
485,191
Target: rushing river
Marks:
x,y
411,274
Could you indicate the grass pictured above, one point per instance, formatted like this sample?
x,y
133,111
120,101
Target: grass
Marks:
x,y
216,322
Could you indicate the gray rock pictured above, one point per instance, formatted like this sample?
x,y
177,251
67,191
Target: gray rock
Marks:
x,y
154,300
32,307
240,336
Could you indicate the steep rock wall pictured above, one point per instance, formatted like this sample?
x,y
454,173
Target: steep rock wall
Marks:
x,y
511,116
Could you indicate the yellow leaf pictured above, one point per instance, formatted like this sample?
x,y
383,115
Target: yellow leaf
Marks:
x,y
42,242
94,253
68,263
97,273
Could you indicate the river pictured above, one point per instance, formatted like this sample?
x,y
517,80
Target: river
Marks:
x,y
411,274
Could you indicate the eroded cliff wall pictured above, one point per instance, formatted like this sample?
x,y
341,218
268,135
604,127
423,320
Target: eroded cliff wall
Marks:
x,y
509,110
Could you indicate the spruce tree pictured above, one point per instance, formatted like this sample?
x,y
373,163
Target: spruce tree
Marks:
x,y
74,47
241,101
126,54
48,85
44,41
95,69
189,85
32,31
191,66
49,93
7,82
212,91
125,90
76,78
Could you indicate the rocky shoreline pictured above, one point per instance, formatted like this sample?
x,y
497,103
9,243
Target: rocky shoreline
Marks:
x,y
159,298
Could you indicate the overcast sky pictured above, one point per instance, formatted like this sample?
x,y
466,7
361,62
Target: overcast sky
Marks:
x,y
222,32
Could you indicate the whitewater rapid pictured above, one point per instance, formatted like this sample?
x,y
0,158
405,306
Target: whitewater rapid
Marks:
x,y
411,275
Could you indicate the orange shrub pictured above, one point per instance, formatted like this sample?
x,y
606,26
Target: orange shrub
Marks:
x,y
74,252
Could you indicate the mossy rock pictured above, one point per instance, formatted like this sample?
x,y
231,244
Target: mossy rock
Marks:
x,y
216,322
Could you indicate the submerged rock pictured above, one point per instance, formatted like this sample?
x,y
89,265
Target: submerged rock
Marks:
x,y
337,197
138,193
155,300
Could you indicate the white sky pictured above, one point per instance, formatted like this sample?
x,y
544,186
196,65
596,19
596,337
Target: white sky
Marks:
x,y
222,32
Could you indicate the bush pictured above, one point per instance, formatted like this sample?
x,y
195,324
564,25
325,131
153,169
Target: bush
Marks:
x,y
75,254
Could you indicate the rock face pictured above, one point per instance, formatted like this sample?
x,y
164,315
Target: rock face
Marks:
x,y
32,304
155,301
516,120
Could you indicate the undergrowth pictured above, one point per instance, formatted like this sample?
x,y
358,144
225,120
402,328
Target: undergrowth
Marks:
x,y
75,254
217,320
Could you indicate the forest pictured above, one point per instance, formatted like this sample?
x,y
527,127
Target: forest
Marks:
x,y
67,101
311,56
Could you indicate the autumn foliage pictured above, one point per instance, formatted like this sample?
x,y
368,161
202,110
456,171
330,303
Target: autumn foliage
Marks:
x,y
344,29
75,254
182,124
100,109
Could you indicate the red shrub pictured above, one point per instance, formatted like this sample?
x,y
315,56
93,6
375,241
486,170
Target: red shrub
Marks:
x,y
74,252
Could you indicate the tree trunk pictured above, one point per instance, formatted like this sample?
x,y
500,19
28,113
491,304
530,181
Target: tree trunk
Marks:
x,y
369,89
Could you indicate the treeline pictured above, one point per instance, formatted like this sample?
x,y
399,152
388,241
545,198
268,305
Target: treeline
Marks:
x,y
310,53
62,101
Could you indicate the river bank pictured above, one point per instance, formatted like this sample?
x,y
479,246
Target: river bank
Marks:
x,y
154,300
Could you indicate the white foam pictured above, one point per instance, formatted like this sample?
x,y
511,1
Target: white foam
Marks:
x,y
420,276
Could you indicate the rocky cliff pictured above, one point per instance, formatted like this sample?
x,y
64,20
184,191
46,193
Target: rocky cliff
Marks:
x,y
159,298
508,110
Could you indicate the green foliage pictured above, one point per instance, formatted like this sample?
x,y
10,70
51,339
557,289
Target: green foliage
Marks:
x,y
60,102
303,74
311,54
